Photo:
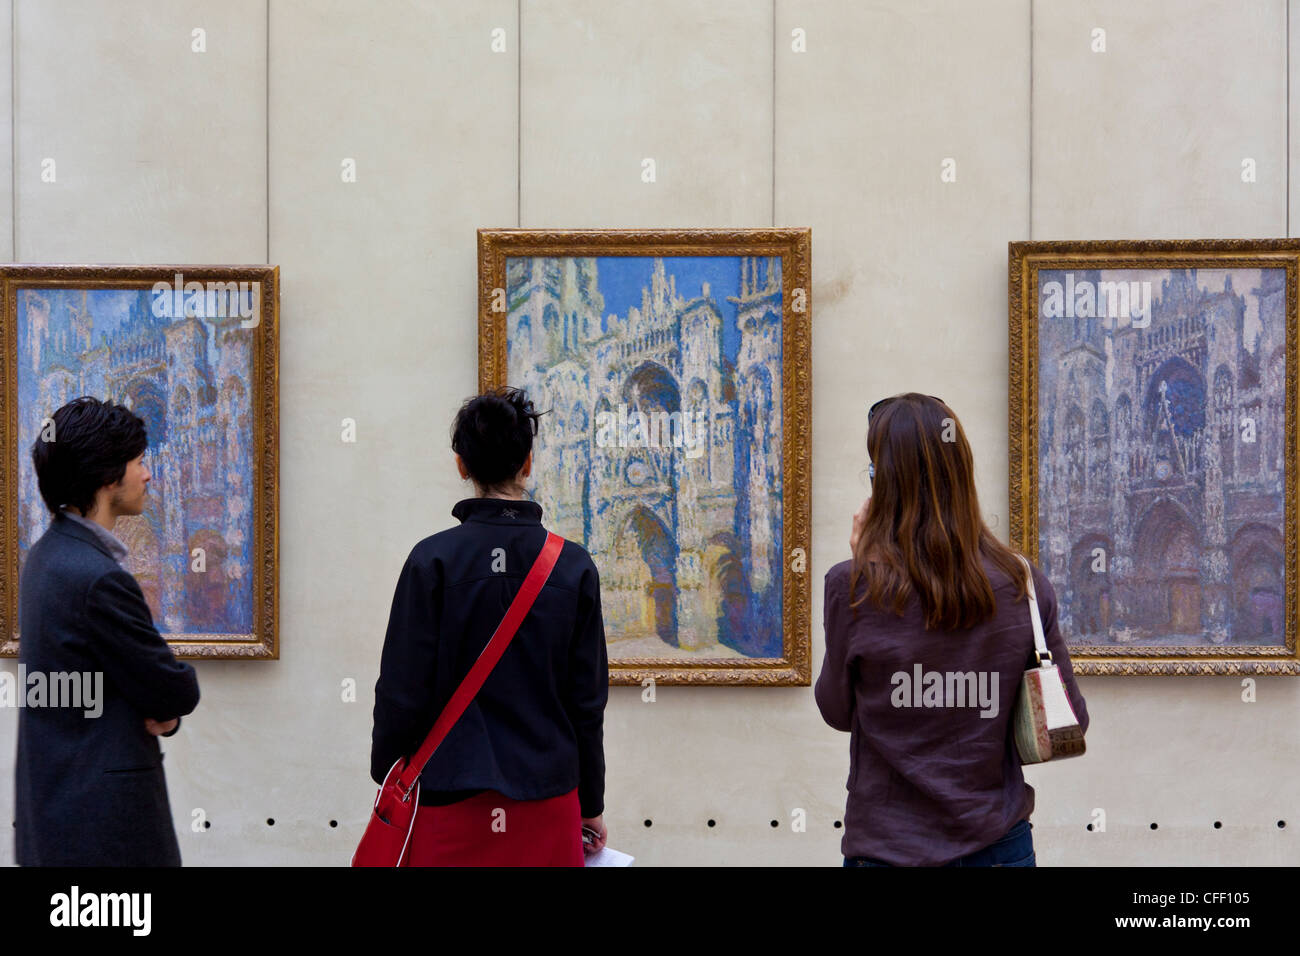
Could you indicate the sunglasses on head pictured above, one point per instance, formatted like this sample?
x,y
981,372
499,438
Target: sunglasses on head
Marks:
x,y
872,410
871,467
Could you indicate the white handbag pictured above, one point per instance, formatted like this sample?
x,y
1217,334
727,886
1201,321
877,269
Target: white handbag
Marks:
x,y
1045,723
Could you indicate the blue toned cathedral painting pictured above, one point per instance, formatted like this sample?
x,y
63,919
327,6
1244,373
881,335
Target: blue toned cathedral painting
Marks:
x,y
1161,454
192,549
661,451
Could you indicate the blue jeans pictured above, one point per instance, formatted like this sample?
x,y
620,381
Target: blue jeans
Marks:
x,y
1016,848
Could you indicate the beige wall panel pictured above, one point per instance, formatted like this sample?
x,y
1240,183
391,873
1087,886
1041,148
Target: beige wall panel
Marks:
x,y
6,132
159,156
690,87
609,84
1293,120
378,325
158,152
909,270
1147,139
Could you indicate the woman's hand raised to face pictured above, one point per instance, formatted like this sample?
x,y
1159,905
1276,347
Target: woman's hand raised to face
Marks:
x,y
859,522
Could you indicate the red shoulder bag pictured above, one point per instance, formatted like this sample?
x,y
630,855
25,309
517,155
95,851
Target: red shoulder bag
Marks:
x,y
388,834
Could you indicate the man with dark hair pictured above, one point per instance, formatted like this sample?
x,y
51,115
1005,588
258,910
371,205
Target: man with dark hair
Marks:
x,y
90,786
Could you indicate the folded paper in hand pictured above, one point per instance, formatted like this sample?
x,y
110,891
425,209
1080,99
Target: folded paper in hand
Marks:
x,y
608,857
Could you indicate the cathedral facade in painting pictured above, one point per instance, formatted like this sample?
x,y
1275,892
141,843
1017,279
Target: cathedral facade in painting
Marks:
x,y
1161,455
661,449
187,377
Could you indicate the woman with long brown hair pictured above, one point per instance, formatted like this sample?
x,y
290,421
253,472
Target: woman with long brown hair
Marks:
x,y
927,637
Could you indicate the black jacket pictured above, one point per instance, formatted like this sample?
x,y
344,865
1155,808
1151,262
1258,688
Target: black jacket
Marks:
x,y
90,791
535,728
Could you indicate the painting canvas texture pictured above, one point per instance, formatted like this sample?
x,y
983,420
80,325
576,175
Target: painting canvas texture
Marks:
x,y
661,449
1161,443
186,374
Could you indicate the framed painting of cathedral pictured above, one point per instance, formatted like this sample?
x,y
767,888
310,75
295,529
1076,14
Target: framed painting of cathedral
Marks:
x,y
193,351
1153,449
673,368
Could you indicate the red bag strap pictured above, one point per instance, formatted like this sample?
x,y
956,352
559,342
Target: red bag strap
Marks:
x,y
487,659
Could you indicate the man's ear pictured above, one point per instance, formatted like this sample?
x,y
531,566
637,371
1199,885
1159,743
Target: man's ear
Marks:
x,y
528,466
460,466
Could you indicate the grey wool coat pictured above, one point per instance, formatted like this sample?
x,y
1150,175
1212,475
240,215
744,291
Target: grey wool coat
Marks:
x,y
90,791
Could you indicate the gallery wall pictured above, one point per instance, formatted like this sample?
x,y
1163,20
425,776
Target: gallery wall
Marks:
x,y
837,115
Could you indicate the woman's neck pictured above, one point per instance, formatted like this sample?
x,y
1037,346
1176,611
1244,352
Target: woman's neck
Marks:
x,y
504,495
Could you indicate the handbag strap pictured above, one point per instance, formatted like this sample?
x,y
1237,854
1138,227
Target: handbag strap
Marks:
x,y
1040,642
487,659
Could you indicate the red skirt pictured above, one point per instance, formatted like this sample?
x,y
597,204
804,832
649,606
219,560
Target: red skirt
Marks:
x,y
490,829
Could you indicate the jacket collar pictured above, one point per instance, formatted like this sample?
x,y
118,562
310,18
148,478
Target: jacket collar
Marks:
x,y
65,525
498,511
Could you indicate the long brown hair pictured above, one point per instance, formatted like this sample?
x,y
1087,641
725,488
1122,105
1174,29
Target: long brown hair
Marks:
x,y
923,530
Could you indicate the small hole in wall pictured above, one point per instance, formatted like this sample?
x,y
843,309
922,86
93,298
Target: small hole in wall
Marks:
x,y
334,823
1218,825
1281,824
775,824
1155,826
270,821
713,823
648,823
1089,827
838,824
207,824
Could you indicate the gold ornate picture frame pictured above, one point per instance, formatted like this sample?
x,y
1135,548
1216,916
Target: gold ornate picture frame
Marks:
x,y
194,351
1152,417
674,368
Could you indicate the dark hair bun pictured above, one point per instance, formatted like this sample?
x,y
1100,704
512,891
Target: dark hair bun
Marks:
x,y
493,434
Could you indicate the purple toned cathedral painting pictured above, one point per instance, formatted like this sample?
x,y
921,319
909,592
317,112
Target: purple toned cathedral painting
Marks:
x,y
662,449
185,369
1161,470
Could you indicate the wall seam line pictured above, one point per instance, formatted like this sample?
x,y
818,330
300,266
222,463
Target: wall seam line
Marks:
x,y
267,141
13,130
519,114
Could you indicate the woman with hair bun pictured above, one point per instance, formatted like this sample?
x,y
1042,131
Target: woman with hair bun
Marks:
x,y
521,774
